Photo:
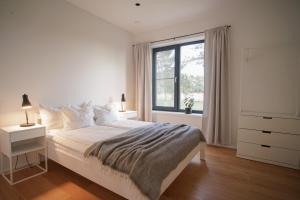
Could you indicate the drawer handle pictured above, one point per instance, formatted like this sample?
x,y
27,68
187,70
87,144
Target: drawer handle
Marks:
x,y
267,146
269,132
267,117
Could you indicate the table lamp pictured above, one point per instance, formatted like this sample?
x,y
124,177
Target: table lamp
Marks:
x,y
25,106
123,103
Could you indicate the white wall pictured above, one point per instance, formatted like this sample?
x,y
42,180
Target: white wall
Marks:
x,y
58,54
255,24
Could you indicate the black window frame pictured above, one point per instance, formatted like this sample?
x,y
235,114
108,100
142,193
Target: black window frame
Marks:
x,y
176,47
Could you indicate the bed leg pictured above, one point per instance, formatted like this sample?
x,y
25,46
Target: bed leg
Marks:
x,y
202,153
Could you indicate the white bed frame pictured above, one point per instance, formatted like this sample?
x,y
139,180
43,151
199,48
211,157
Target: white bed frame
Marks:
x,y
108,178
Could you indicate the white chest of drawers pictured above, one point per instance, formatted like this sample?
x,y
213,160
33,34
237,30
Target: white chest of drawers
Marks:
x,y
271,140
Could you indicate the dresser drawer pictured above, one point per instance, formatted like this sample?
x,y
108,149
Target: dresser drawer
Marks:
x,y
282,140
27,134
283,125
274,154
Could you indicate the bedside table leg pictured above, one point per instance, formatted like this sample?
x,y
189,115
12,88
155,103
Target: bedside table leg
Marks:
x,y
11,170
1,163
46,159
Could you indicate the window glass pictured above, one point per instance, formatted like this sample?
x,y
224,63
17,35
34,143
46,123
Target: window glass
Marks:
x,y
165,73
192,74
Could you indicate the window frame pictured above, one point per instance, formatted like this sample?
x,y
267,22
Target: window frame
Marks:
x,y
177,48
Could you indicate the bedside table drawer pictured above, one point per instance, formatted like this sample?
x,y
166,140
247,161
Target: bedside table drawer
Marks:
x,y
27,134
130,114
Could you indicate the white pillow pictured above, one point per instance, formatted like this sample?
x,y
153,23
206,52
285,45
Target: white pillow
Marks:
x,y
75,117
51,117
106,113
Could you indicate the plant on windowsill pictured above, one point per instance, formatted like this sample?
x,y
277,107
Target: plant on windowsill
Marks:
x,y
189,103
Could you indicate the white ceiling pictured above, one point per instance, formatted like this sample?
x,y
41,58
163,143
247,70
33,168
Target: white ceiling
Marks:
x,y
151,15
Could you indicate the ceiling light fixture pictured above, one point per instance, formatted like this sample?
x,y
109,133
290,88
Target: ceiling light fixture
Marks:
x,y
137,4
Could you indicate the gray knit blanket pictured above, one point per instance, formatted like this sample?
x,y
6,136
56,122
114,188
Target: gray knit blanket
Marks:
x,y
148,153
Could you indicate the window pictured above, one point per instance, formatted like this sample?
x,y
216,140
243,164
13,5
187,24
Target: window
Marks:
x,y
178,72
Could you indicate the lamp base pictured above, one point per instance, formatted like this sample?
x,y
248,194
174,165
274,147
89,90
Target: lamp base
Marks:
x,y
27,124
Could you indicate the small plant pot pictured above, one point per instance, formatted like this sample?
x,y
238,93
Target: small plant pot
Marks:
x,y
188,110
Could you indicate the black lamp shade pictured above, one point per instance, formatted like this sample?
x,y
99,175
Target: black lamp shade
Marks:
x,y
26,103
123,98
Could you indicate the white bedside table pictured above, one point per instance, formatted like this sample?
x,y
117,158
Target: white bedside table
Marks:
x,y
129,114
16,141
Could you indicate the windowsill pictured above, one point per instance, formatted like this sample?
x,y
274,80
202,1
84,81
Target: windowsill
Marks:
x,y
181,114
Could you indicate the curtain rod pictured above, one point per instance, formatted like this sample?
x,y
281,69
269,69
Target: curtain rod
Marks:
x,y
174,38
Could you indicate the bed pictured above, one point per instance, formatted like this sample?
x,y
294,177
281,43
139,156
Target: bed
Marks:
x,y
67,148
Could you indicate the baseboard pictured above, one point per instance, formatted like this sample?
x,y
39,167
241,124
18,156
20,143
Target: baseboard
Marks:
x,y
223,146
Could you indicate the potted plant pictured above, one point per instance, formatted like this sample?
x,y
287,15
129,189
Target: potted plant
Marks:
x,y
189,103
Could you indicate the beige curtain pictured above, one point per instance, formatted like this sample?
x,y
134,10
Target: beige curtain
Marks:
x,y
216,87
143,70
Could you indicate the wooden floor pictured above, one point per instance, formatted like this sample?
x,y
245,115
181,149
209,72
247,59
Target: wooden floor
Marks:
x,y
222,176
